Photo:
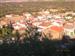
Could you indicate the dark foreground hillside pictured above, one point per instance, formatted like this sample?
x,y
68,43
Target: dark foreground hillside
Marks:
x,y
34,47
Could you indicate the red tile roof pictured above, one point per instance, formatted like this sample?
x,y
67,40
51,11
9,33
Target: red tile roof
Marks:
x,y
56,28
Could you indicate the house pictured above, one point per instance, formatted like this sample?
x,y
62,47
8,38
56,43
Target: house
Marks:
x,y
9,16
27,15
56,32
69,29
43,25
19,25
17,18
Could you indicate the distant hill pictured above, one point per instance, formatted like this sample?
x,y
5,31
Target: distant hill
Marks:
x,y
18,8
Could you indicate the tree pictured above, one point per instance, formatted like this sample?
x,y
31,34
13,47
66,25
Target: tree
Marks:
x,y
0,32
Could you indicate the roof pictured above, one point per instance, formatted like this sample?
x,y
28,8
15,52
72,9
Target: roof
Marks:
x,y
56,28
45,23
69,25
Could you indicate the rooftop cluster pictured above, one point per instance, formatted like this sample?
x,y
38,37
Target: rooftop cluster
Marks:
x,y
50,23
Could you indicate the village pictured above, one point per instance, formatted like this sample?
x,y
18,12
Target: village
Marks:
x,y
52,23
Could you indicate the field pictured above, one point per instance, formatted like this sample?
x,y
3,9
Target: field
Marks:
x,y
18,8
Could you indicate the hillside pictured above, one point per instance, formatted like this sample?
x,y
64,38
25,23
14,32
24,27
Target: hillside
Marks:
x,y
18,8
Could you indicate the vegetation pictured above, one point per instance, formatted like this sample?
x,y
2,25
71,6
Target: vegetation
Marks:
x,y
19,8
33,46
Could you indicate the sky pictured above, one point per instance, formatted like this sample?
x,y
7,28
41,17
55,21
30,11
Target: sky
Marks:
x,y
20,0
31,0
